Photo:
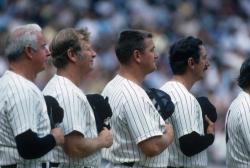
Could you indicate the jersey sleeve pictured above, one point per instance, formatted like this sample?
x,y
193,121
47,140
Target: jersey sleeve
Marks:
x,y
23,109
142,118
74,111
244,121
187,116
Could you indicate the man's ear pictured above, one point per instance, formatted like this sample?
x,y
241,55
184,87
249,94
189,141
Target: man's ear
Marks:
x,y
71,55
28,50
137,56
191,62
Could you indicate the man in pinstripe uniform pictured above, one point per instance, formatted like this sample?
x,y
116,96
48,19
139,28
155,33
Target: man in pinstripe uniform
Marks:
x,y
188,63
25,135
237,123
73,57
140,134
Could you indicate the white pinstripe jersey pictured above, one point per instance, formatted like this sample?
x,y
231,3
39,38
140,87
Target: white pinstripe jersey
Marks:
x,y
22,107
78,116
134,119
238,129
186,118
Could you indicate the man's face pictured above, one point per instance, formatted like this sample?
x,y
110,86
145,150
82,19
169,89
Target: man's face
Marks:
x,y
149,56
86,56
203,64
41,54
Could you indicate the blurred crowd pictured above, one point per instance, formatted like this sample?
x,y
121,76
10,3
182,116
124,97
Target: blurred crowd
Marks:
x,y
223,25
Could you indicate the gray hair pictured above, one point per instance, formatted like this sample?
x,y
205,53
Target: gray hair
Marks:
x,y
19,38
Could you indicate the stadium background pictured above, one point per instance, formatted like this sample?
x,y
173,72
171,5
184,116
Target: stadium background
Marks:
x,y
223,25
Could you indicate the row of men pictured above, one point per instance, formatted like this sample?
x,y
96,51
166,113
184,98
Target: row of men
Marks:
x,y
139,137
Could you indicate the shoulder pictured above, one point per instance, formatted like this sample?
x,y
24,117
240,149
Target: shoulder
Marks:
x,y
18,83
177,92
62,86
121,85
174,86
132,90
15,89
241,102
125,89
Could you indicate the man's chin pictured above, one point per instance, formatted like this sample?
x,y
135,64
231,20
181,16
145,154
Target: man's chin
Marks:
x,y
152,70
154,66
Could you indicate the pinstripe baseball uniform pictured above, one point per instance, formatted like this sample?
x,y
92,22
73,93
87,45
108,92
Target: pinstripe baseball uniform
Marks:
x,y
22,107
134,119
78,116
186,118
238,129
